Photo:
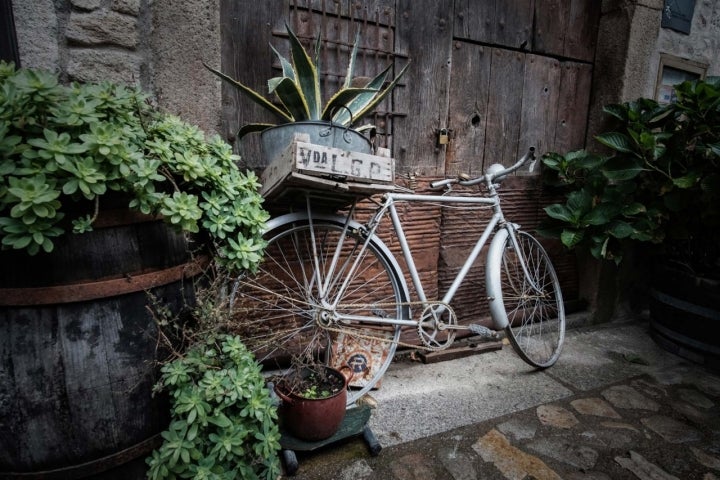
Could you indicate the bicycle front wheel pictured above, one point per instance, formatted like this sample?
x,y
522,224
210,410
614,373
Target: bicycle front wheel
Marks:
x,y
532,300
314,277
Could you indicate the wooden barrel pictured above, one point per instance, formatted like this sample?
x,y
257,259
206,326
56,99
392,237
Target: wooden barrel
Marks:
x,y
78,348
685,314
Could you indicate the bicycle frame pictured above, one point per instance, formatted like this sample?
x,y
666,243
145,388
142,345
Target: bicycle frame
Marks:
x,y
388,206
491,199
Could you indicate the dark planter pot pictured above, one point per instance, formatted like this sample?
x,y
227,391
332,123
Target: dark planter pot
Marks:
x,y
275,140
313,419
685,314
78,349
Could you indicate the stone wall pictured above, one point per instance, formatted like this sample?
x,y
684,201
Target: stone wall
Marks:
x,y
631,42
156,44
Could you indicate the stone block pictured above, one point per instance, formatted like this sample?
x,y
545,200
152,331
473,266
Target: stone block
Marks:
x,y
102,27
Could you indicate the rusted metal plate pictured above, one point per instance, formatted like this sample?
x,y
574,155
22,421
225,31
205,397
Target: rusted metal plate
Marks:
x,y
364,356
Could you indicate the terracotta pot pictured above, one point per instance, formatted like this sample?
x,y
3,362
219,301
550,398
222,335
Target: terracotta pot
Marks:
x,y
313,419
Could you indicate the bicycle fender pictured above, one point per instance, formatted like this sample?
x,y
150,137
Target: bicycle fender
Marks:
x,y
493,284
288,218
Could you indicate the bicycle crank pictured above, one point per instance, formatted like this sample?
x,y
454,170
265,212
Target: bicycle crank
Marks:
x,y
479,330
437,326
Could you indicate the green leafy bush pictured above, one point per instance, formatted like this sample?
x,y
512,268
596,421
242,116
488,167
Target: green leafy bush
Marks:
x,y
224,424
64,145
660,184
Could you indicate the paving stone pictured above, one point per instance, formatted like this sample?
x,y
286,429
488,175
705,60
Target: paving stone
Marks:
x,y
619,425
412,467
674,375
670,429
518,429
594,406
512,462
587,476
623,396
695,398
458,464
556,416
357,470
708,384
706,459
643,469
567,450
608,438
696,416
651,389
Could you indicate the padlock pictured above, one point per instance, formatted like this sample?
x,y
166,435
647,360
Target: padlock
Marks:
x,y
443,136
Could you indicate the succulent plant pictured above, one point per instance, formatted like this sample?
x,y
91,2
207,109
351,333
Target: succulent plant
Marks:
x,y
299,91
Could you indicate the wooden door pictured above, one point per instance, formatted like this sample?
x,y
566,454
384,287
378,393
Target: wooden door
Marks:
x,y
497,75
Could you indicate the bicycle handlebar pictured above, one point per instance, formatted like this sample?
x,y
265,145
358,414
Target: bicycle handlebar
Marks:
x,y
490,176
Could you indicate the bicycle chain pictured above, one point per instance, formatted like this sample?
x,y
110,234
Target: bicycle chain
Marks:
x,y
383,339
423,345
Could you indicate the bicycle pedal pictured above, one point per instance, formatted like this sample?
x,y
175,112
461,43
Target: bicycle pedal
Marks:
x,y
483,331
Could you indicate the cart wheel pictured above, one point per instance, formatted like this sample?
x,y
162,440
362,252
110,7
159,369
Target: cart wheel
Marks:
x,y
290,461
372,442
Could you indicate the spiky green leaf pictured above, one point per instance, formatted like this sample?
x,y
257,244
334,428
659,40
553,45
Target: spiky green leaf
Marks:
x,y
252,94
287,68
350,73
291,97
365,103
306,76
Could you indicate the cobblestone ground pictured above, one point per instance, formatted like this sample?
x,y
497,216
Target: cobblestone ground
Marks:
x,y
655,427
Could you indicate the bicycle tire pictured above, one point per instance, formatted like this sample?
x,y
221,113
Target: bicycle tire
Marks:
x,y
291,316
535,324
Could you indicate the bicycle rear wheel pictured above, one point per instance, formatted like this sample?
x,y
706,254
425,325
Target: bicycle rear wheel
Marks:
x,y
289,310
533,301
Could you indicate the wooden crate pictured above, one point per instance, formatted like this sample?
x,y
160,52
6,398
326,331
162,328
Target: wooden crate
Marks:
x,y
337,175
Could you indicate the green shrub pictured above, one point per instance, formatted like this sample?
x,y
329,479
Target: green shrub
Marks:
x,y
224,424
660,184
64,146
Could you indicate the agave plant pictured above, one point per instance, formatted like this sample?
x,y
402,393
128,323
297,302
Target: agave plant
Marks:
x,y
299,95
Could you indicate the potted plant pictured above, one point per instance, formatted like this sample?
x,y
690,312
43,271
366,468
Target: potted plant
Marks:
x,y
300,105
94,183
313,401
660,187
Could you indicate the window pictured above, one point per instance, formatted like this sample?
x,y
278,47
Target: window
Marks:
x,y
673,71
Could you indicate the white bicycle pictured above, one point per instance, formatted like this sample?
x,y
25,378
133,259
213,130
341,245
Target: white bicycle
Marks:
x,y
328,285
